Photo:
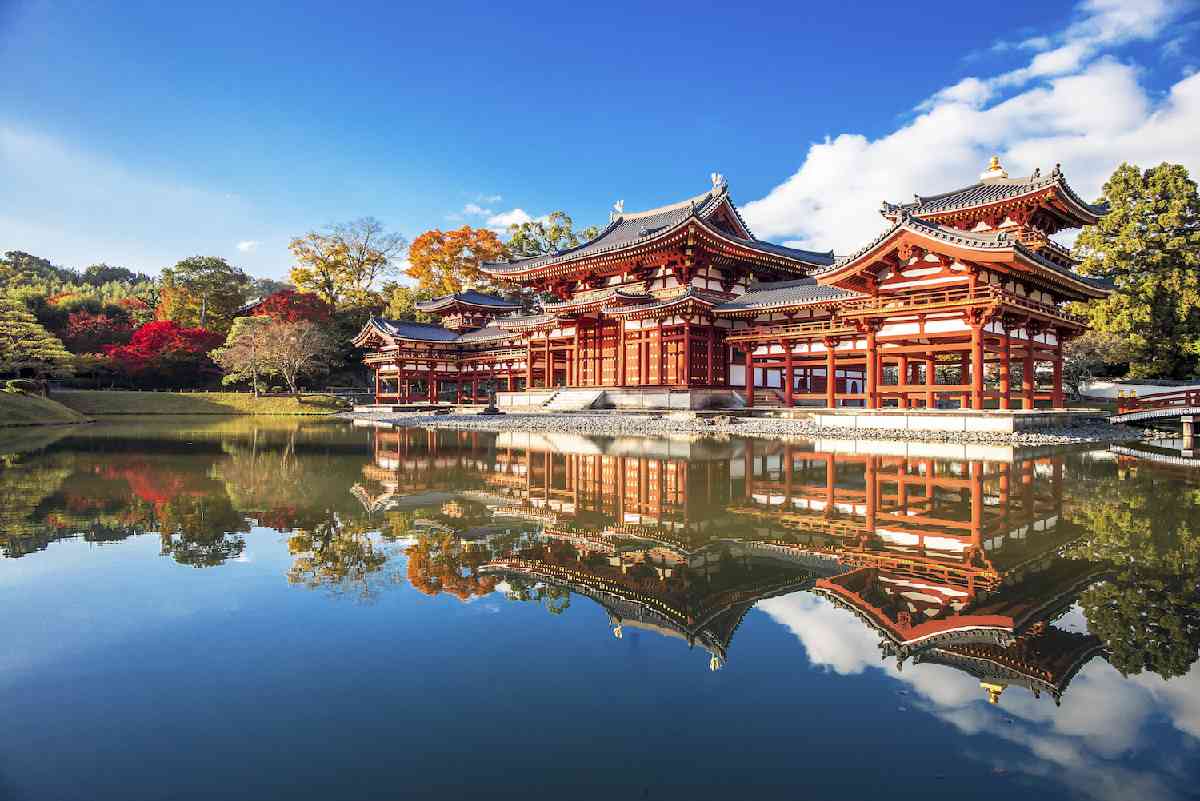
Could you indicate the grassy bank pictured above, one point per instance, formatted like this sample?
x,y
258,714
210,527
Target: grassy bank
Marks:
x,y
17,409
95,403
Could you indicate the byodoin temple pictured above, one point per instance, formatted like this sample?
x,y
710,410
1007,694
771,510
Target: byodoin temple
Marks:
x,y
958,303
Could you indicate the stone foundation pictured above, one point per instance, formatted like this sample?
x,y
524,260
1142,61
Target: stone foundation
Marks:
x,y
631,398
945,420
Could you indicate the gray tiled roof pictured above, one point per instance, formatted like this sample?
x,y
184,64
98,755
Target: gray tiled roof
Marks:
x,y
986,192
631,229
652,302
517,320
779,294
483,334
424,332
820,258
986,240
468,296
404,329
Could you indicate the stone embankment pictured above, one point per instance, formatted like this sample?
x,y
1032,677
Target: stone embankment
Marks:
x,y
690,424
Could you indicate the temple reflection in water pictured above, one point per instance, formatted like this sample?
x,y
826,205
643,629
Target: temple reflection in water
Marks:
x,y
954,561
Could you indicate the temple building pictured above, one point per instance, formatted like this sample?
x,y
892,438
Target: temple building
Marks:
x,y
958,303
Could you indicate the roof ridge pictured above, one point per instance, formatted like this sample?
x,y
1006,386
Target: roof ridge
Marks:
x,y
764,286
695,200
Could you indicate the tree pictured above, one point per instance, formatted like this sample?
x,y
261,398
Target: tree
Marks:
x,y
341,266
549,235
289,305
26,347
202,292
402,303
295,349
244,356
261,287
166,354
447,261
88,332
18,267
1149,246
1095,353
100,274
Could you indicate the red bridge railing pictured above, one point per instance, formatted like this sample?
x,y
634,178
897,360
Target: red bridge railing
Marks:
x,y
1132,402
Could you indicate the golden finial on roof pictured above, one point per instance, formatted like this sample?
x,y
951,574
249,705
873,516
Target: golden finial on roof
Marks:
x,y
994,170
993,691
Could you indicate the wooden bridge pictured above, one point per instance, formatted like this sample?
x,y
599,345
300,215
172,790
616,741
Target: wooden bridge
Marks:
x,y
1160,405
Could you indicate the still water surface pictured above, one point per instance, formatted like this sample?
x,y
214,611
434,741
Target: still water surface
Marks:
x,y
239,609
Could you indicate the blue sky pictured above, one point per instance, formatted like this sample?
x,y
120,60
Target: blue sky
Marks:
x,y
141,133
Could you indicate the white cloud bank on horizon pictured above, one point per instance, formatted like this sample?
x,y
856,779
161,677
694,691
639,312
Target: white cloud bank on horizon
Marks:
x,y
1072,103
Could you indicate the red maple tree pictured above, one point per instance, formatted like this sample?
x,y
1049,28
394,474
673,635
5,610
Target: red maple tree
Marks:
x,y
290,306
90,333
164,353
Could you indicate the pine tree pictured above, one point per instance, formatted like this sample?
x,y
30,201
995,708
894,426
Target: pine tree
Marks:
x,y
25,346
1149,246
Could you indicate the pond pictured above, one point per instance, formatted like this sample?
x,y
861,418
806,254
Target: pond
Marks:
x,y
260,608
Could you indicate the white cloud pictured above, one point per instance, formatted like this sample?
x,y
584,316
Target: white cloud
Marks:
x,y
475,210
507,218
247,245
1072,103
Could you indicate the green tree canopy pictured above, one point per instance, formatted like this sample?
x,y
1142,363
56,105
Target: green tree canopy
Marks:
x,y
1149,246
402,303
18,267
203,292
26,347
100,274
553,233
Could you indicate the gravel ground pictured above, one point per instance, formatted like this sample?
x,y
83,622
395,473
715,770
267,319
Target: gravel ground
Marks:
x,y
687,424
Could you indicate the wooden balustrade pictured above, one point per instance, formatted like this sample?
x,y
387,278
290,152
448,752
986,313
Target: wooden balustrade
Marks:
x,y
1158,400
888,305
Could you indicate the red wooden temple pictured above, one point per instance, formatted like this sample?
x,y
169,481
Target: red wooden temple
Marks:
x,y
957,304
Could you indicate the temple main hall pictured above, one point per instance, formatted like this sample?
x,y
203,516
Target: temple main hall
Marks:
x,y
957,304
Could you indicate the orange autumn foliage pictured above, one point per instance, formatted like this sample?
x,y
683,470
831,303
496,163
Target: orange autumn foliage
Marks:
x,y
448,261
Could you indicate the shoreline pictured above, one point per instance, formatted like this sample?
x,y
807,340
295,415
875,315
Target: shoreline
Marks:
x,y
601,425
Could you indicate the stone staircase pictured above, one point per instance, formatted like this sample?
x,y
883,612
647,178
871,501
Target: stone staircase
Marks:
x,y
573,400
768,399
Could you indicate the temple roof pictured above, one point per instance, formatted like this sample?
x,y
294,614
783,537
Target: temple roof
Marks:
x,y
468,297
781,294
994,240
635,228
485,334
989,191
424,332
404,329
654,303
